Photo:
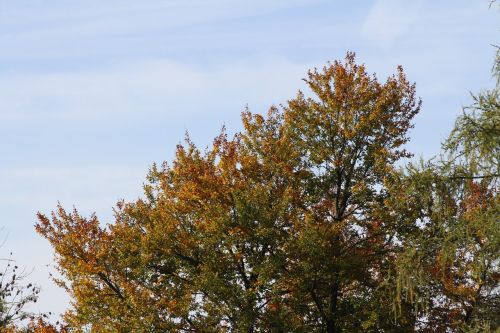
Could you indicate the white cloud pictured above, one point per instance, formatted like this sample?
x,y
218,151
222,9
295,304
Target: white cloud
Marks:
x,y
30,21
390,19
146,87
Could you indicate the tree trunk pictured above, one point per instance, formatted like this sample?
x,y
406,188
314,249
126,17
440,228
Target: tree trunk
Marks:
x,y
331,324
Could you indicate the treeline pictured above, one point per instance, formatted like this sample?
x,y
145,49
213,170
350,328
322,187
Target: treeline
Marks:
x,y
302,222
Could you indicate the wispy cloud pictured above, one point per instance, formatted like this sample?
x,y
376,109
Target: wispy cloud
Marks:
x,y
147,87
38,30
390,19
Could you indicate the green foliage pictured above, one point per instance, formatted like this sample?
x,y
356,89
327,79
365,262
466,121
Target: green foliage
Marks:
x,y
475,140
450,267
301,223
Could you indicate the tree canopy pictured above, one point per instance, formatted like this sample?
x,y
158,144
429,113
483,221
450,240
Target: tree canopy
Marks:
x,y
301,222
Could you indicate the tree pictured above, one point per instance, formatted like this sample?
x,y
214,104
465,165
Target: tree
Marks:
x,y
450,265
281,229
348,141
14,296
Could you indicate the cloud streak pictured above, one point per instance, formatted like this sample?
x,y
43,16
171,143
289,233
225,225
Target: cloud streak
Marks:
x,y
390,19
149,87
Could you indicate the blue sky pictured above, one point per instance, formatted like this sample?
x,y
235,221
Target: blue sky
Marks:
x,y
93,92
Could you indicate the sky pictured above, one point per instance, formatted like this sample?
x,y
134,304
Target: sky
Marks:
x,y
92,92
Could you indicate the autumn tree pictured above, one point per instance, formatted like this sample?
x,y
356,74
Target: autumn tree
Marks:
x,y
279,229
349,139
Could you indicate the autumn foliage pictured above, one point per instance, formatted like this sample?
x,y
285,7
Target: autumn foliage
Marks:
x,y
302,222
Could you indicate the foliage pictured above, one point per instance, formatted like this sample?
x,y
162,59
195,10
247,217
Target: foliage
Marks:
x,y
14,295
451,264
37,325
300,223
278,229
474,144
